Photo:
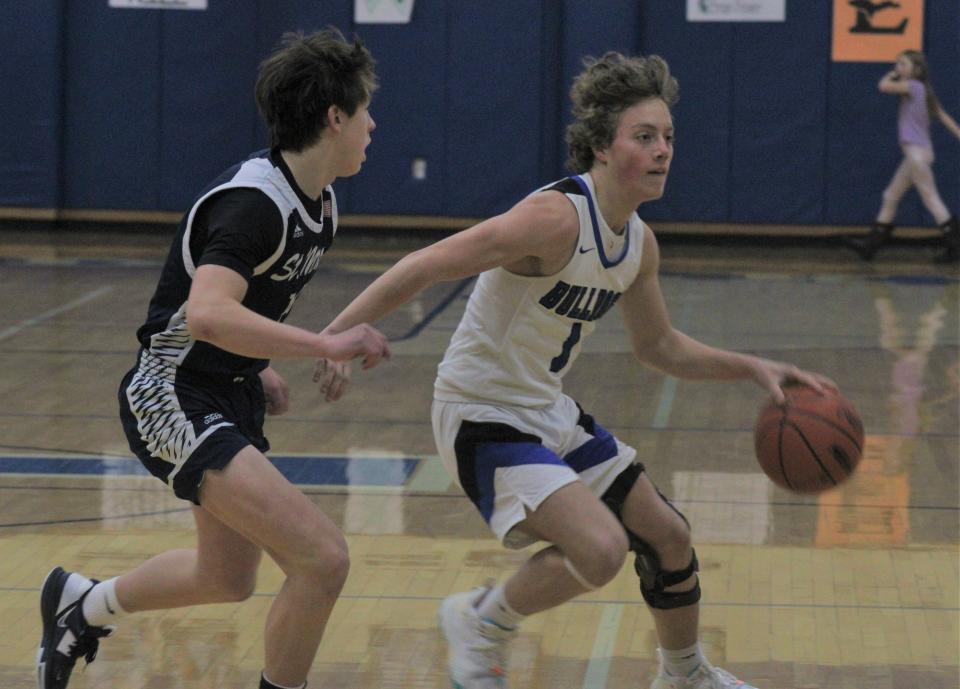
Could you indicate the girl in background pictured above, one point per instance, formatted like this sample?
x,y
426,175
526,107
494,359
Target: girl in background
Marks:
x,y
910,79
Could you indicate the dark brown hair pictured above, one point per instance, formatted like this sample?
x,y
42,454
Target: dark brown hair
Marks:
x,y
298,83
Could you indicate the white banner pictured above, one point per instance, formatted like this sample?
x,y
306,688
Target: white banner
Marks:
x,y
382,11
736,10
160,4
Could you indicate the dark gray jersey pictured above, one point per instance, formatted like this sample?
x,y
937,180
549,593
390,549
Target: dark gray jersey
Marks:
x,y
254,220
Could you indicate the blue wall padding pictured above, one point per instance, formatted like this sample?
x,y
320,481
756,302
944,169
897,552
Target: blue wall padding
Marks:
x,y
493,105
943,31
112,151
30,108
700,181
777,145
139,109
410,113
213,54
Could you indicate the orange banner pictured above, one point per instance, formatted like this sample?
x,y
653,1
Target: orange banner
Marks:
x,y
868,31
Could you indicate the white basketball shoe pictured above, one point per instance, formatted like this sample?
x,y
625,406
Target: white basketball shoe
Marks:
x,y
477,654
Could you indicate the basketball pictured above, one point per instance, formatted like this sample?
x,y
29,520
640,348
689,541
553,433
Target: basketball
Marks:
x,y
812,443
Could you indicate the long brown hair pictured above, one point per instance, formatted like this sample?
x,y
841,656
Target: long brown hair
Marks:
x,y
921,72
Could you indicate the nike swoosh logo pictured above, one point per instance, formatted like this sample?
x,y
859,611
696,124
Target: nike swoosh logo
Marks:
x,y
584,251
62,615
109,609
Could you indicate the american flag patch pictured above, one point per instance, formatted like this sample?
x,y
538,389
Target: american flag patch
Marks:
x,y
327,208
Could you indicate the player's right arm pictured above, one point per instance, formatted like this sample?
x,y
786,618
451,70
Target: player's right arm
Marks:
x,y
658,344
216,314
234,232
892,84
542,229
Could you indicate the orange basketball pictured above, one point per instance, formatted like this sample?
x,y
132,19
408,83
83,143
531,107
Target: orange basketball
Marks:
x,y
810,444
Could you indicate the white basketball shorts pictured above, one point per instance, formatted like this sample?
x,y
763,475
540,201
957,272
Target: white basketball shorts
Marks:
x,y
508,460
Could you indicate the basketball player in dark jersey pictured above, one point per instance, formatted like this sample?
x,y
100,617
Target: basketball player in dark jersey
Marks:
x,y
193,405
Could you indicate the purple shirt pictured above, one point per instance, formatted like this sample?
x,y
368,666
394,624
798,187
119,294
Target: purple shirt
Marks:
x,y
913,122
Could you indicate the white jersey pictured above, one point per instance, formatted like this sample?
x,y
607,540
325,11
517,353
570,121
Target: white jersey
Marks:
x,y
520,334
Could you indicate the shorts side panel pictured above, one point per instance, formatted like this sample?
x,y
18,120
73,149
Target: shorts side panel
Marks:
x,y
180,425
509,460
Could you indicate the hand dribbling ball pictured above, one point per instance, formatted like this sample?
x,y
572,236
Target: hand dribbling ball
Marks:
x,y
811,443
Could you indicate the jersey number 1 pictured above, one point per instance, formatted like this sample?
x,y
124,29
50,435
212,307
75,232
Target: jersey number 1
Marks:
x,y
286,311
559,361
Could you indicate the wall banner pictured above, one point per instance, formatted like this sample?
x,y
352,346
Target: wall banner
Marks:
x,y
159,4
737,10
868,31
382,11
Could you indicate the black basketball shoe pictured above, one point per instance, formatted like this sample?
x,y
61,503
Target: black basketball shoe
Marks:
x,y
66,634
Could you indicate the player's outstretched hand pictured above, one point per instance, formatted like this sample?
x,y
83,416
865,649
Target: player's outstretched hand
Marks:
x,y
775,375
333,377
362,341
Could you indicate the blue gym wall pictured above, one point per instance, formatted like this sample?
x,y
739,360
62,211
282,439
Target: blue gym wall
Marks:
x,y
138,109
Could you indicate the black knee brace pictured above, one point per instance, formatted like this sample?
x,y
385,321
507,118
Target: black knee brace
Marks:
x,y
653,579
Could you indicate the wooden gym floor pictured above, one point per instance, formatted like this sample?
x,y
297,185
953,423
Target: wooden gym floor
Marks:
x,y
857,588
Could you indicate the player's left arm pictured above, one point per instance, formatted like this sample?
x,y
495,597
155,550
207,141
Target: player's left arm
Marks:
x,y
657,343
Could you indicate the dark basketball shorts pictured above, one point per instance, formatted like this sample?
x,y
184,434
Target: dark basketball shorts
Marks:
x,y
181,423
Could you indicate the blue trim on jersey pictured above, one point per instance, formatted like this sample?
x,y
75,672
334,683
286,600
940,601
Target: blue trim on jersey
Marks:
x,y
492,456
595,451
607,263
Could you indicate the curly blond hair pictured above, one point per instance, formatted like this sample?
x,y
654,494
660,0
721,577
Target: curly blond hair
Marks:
x,y
608,86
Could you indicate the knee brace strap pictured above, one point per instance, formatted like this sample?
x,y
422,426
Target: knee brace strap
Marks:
x,y
575,573
654,580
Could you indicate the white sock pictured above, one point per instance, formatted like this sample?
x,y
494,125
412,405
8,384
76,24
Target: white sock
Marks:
x,y
101,607
494,608
269,681
682,662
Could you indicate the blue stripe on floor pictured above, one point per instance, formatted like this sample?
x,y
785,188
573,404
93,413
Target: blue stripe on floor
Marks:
x,y
300,470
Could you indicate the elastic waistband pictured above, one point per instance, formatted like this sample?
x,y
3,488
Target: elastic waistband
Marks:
x,y
151,364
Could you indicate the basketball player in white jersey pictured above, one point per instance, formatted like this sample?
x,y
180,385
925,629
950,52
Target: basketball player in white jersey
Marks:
x,y
193,404
536,465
